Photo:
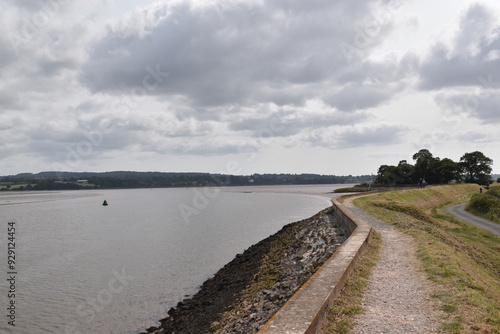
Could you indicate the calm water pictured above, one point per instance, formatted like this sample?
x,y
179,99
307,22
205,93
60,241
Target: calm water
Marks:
x,y
86,268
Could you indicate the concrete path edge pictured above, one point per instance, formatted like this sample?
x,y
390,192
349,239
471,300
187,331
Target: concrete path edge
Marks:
x,y
305,312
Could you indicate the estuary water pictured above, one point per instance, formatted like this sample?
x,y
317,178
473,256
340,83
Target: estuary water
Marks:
x,y
86,268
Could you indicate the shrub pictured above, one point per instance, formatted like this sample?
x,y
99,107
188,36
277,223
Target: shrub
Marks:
x,y
482,203
486,205
494,191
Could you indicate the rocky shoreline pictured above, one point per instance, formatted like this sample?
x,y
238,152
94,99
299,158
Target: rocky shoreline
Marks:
x,y
249,290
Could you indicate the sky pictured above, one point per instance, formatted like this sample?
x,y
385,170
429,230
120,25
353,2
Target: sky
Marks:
x,y
241,87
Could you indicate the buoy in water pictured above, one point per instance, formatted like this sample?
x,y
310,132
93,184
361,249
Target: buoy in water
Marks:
x,y
104,203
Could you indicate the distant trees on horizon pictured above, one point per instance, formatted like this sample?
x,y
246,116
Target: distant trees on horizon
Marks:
x,y
123,179
473,167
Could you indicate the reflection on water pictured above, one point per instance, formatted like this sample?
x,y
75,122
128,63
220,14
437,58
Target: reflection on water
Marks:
x,y
86,268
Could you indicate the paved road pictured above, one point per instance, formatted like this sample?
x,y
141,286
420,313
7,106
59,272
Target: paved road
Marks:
x,y
459,212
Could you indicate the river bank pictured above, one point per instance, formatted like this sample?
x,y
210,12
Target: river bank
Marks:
x,y
246,292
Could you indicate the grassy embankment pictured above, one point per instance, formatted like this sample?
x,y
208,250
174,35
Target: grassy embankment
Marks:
x,y
486,205
463,261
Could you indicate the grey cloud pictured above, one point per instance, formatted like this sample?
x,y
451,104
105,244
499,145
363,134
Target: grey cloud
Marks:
x,y
9,100
356,96
372,136
484,104
27,4
7,55
45,6
375,135
468,58
439,71
50,67
218,59
473,137
475,26
286,123
217,79
86,137
489,109
210,149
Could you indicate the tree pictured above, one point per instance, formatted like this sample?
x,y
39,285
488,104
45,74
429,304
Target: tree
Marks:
x,y
429,168
423,164
400,174
405,171
476,168
446,170
387,175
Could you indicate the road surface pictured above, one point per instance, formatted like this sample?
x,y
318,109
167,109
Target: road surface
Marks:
x,y
459,212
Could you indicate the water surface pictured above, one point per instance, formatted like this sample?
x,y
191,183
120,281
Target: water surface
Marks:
x,y
86,268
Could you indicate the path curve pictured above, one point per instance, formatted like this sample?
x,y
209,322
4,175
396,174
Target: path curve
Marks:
x,y
459,212
397,300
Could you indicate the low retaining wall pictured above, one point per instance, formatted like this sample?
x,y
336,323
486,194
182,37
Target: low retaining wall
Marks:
x,y
306,310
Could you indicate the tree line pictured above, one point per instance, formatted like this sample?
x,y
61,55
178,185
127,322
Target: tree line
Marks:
x,y
473,167
122,179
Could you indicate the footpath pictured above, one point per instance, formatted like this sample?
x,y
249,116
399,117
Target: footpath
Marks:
x,y
398,299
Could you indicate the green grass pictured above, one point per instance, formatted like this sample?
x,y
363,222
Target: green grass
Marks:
x,y
486,205
340,318
461,260
16,186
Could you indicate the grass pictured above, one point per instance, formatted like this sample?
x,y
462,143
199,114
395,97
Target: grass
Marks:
x,y
340,319
462,260
486,205
16,186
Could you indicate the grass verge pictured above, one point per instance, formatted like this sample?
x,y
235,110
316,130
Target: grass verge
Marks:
x,y
340,319
462,260
486,205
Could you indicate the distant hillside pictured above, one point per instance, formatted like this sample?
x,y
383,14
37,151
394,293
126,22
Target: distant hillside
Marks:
x,y
129,179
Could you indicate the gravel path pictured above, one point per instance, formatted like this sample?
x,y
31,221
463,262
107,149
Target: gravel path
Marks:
x,y
397,300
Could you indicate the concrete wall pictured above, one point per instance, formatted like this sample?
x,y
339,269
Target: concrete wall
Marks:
x,y
306,310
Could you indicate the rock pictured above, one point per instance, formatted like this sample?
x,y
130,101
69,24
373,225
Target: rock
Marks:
x,y
249,290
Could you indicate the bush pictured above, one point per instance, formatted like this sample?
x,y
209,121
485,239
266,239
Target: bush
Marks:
x,y
494,191
486,205
482,203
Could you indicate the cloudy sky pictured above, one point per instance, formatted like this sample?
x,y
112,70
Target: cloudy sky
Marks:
x,y
241,87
